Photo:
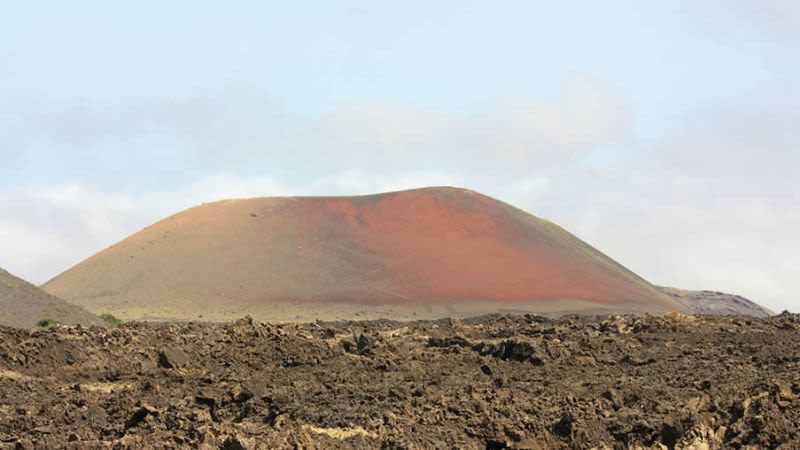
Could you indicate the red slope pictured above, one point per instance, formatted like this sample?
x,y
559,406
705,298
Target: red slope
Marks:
x,y
432,245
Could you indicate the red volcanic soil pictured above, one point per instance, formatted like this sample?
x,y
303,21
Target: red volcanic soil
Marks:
x,y
431,246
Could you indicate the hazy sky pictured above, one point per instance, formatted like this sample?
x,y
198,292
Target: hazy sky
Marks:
x,y
665,133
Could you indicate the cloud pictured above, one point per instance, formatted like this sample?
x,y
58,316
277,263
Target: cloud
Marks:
x,y
768,24
246,131
778,18
42,229
678,231
586,112
712,206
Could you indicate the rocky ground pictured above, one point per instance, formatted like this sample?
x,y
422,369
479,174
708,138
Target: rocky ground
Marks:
x,y
491,382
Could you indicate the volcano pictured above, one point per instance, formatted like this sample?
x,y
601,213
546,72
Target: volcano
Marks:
x,y
23,305
419,253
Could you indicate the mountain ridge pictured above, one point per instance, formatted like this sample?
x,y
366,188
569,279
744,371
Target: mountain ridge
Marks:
x,y
24,304
716,303
439,248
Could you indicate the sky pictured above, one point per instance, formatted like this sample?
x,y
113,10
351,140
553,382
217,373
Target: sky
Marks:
x,y
665,133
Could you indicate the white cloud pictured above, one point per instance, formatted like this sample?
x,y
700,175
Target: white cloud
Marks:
x,y
584,113
777,18
676,236
511,132
242,131
45,229
714,206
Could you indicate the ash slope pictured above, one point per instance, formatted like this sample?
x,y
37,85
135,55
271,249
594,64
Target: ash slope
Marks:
x,y
23,304
418,253
716,303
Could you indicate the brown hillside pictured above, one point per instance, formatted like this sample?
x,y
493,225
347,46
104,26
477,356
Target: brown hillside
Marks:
x,y
23,304
716,303
417,253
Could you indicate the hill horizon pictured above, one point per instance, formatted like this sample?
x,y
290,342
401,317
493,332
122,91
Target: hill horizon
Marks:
x,y
24,305
426,252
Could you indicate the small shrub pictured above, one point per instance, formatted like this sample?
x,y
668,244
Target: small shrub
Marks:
x,y
48,323
110,319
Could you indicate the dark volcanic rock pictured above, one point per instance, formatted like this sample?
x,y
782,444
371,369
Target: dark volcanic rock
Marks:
x,y
646,382
172,358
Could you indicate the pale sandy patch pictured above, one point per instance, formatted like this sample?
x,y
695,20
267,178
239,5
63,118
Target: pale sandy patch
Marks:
x,y
105,388
9,374
341,433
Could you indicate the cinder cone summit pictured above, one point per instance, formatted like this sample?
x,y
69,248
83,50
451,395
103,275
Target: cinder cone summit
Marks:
x,y
427,252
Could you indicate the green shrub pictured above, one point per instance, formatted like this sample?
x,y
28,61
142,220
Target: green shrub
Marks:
x,y
48,323
110,319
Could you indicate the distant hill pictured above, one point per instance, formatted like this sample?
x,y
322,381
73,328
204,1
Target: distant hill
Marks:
x,y
716,303
23,305
426,252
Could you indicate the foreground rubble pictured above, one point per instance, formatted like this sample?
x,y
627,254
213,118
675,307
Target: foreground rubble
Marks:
x,y
490,382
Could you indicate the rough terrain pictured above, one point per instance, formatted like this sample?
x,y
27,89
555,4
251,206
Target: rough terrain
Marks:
x,y
436,252
688,382
23,305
